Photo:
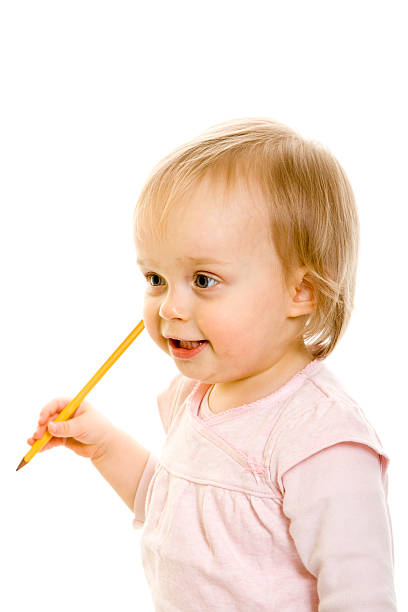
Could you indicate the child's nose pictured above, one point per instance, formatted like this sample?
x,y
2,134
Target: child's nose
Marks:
x,y
173,307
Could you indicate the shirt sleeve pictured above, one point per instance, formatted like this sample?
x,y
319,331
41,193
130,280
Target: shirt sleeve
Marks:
x,y
141,492
340,523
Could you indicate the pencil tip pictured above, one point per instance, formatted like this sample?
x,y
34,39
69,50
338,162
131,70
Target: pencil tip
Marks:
x,y
22,464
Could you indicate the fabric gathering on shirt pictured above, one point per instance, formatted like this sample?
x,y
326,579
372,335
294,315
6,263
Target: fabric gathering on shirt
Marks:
x,y
278,504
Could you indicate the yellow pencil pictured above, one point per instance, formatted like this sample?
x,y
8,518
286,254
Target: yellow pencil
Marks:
x,y
69,410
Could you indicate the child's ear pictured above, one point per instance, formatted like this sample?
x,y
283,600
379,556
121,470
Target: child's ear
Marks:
x,y
302,295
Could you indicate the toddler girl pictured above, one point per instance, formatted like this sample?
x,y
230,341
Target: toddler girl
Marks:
x,y
271,491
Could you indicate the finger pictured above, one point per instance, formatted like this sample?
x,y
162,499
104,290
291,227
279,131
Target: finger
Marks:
x,y
50,444
37,435
43,423
46,417
39,432
53,407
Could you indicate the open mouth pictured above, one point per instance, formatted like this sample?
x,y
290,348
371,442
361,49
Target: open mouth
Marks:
x,y
186,344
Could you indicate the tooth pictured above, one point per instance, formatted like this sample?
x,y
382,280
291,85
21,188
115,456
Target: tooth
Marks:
x,y
188,345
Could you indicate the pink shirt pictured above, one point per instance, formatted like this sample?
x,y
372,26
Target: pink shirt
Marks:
x,y
280,504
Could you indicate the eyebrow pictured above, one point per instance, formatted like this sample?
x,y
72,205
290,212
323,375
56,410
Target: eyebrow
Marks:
x,y
194,260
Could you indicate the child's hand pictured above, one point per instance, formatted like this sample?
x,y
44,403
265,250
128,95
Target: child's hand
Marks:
x,y
86,433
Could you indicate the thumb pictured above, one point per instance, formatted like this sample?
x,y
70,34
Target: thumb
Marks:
x,y
62,429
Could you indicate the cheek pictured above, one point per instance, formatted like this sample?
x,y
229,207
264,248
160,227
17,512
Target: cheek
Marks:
x,y
226,332
150,319
147,312
245,326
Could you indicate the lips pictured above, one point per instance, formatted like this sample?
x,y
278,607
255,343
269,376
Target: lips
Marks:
x,y
186,349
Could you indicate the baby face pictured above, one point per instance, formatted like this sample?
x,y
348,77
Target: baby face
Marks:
x,y
215,277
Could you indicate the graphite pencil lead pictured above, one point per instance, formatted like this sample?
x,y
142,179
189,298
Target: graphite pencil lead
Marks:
x,y
22,464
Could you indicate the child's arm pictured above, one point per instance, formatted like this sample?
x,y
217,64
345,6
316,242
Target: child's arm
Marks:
x,y
118,457
122,464
341,527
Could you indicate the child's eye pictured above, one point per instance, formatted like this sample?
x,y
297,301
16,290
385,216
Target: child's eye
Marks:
x,y
202,281
151,275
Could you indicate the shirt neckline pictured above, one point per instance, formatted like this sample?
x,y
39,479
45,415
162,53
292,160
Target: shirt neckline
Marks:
x,y
200,390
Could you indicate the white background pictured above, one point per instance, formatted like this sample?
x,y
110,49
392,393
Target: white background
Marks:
x,y
93,94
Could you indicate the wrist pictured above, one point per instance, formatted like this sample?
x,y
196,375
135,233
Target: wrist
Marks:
x,y
103,449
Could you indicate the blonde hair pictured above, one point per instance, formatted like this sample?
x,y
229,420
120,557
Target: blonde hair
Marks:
x,y
313,216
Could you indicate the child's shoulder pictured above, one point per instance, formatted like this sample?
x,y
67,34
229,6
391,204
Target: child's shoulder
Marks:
x,y
325,384
173,396
325,404
321,414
